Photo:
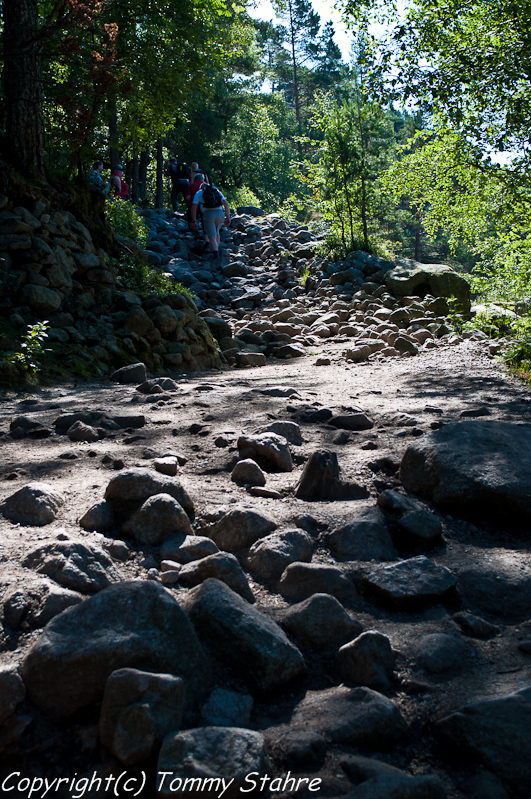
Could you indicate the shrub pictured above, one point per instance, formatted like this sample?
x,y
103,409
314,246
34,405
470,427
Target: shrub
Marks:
x,y
124,220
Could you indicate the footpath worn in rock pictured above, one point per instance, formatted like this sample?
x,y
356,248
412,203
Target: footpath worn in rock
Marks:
x,y
348,610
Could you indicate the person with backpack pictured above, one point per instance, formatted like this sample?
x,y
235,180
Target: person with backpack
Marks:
x,y
180,181
215,210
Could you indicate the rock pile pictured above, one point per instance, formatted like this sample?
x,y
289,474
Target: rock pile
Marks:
x,y
51,270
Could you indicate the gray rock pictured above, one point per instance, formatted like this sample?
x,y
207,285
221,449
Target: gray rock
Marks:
x,y
73,564
134,373
82,432
300,580
397,503
401,786
502,588
496,732
477,468
168,465
138,710
250,359
361,769
248,471
131,487
239,528
40,299
99,518
269,450
185,549
321,621
352,716
54,601
226,708
440,653
320,480
159,518
251,643
269,556
221,760
365,537
135,625
218,327
421,525
352,421
222,566
441,280
475,626
33,504
368,660
12,691
300,749
485,785
410,582
289,430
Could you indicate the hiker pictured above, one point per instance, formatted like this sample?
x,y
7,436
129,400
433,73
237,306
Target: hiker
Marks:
x,y
212,204
121,188
180,181
197,185
194,168
96,181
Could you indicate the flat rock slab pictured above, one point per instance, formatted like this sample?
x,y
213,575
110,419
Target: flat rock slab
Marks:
x,y
33,504
219,759
496,732
352,421
352,716
413,581
132,624
74,564
245,638
476,468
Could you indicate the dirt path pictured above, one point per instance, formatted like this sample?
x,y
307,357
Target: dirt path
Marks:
x,y
201,421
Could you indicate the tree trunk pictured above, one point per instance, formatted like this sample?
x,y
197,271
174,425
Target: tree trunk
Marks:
x,y
418,234
22,79
134,177
142,176
114,154
159,191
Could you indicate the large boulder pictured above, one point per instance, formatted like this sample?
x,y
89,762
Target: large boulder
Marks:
x,y
131,487
495,731
76,565
135,624
411,278
245,638
352,716
475,468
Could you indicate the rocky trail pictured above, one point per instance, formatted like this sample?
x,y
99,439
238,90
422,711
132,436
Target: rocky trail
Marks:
x,y
314,568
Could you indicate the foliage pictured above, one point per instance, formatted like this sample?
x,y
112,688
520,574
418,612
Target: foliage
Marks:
x,y
30,350
241,196
467,198
124,219
137,276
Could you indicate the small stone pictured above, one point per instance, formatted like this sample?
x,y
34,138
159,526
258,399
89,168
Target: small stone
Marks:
x,y
158,519
134,373
321,620
83,432
248,472
167,465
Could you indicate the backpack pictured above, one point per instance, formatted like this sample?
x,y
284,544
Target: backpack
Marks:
x,y
181,172
211,197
